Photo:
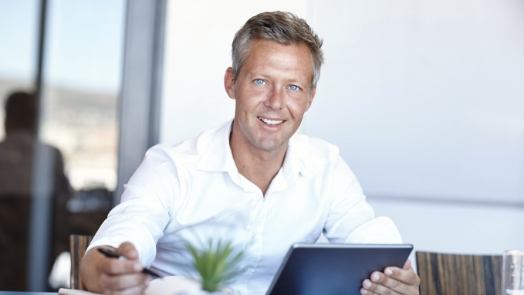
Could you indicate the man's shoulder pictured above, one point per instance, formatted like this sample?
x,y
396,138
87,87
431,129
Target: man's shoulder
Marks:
x,y
314,153
185,151
314,147
189,150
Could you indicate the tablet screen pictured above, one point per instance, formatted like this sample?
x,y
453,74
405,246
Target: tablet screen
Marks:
x,y
313,269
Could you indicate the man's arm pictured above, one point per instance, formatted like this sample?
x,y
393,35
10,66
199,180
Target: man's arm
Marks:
x,y
139,219
352,220
113,275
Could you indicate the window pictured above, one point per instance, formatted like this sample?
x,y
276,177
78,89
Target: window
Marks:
x,y
58,160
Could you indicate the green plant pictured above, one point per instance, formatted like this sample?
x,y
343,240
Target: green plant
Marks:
x,y
216,262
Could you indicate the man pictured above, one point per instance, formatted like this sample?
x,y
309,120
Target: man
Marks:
x,y
283,187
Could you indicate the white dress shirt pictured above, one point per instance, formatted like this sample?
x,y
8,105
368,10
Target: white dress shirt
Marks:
x,y
193,191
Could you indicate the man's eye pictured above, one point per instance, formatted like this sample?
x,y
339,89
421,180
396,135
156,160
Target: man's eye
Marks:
x,y
259,82
294,87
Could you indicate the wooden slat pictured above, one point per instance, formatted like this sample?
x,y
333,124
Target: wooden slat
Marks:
x,y
78,245
458,274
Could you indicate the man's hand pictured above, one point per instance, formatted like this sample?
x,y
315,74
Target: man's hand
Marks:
x,y
394,280
112,275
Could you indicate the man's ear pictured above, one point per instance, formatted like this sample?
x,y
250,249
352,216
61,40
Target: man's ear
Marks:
x,y
229,82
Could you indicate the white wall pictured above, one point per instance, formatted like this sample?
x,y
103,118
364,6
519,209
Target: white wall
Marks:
x,y
430,95
425,99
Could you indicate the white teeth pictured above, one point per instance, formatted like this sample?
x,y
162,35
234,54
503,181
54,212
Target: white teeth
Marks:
x,y
270,121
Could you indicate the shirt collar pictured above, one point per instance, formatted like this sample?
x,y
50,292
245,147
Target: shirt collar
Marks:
x,y
295,161
217,155
215,149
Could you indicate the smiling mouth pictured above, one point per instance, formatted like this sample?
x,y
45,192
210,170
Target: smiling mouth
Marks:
x,y
271,122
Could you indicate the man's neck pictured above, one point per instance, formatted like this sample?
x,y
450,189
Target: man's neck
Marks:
x,y
260,167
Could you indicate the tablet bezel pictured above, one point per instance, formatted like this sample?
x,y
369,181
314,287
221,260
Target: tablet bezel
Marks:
x,y
364,258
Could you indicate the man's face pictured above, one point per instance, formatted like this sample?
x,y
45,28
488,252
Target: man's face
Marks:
x,y
272,92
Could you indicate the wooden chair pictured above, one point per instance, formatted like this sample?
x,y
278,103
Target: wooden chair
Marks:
x,y
456,274
78,245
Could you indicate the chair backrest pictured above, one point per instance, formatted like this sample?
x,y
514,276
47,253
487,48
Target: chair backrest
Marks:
x,y
78,245
457,274
15,213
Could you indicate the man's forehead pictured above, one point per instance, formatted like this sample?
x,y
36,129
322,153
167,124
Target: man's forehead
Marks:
x,y
270,46
273,50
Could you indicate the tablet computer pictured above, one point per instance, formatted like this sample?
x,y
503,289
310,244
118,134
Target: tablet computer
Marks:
x,y
313,269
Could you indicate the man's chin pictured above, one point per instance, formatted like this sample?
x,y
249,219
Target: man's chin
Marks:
x,y
272,146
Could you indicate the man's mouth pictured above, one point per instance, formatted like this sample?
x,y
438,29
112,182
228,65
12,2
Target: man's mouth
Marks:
x,y
271,122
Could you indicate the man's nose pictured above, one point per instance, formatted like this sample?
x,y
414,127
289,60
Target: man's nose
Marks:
x,y
275,99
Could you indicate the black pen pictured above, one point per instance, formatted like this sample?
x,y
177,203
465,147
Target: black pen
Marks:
x,y
113,253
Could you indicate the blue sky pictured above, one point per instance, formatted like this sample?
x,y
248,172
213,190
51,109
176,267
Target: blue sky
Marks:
x,y
84,44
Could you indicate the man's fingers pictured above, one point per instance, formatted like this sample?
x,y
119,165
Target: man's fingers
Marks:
x,y
131,291
128,250
122,282
110,275
382,284
375,287
394,280
115,266
367,292
406,274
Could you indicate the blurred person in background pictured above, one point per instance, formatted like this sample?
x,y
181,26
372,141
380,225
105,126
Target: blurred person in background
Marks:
x,y
21,153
